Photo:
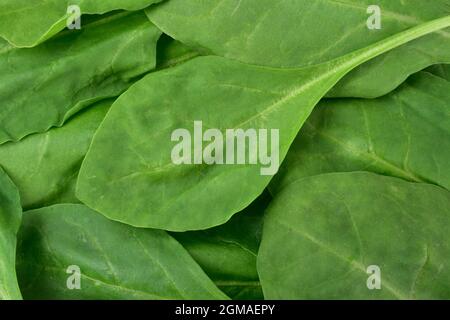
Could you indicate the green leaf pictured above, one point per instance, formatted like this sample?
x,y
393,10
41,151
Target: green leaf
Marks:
x,y
26,23
42,87
228,253
322,233
285,34
10,218
129,169
171,53
441,70
45,166
404,134
115,261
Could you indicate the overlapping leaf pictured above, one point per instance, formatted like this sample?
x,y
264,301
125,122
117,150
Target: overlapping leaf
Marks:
x,y
114,261
441,70
324,235
171,53
143,187
45,166
405,134
231,64
228,253
43,86
285,34
26,23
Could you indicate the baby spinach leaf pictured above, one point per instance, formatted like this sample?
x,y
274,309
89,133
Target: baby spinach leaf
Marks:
x,y
128,174
10,218
44,166
114,261
43,86
285,34
228,253
391,135
26,23
325,236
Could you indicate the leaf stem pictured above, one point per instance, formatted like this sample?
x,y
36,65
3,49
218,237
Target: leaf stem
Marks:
x,y
354,59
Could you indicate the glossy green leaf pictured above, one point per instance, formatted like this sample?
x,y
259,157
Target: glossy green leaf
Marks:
x,y
228,253
128,168
43,86
10,218
322,234
294,33
44,166
404,134
115,261
26,23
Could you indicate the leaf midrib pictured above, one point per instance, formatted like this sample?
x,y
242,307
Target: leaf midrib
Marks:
x,y
357,265
402,172
95,281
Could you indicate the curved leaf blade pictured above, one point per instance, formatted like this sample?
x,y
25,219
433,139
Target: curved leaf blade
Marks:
x,y
285,34
405,134
44,86
171,53
45,166
43,19
115,261
179,198
322,233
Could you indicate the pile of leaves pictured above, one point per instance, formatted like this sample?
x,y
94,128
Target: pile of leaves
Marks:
x,y
92,206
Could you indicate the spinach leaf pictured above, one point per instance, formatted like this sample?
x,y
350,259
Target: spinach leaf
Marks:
x,y
44,86
10,218
441,70
285,34
115,261
129,169
45,166
228,253
390,135
43,19
322,234
380,76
